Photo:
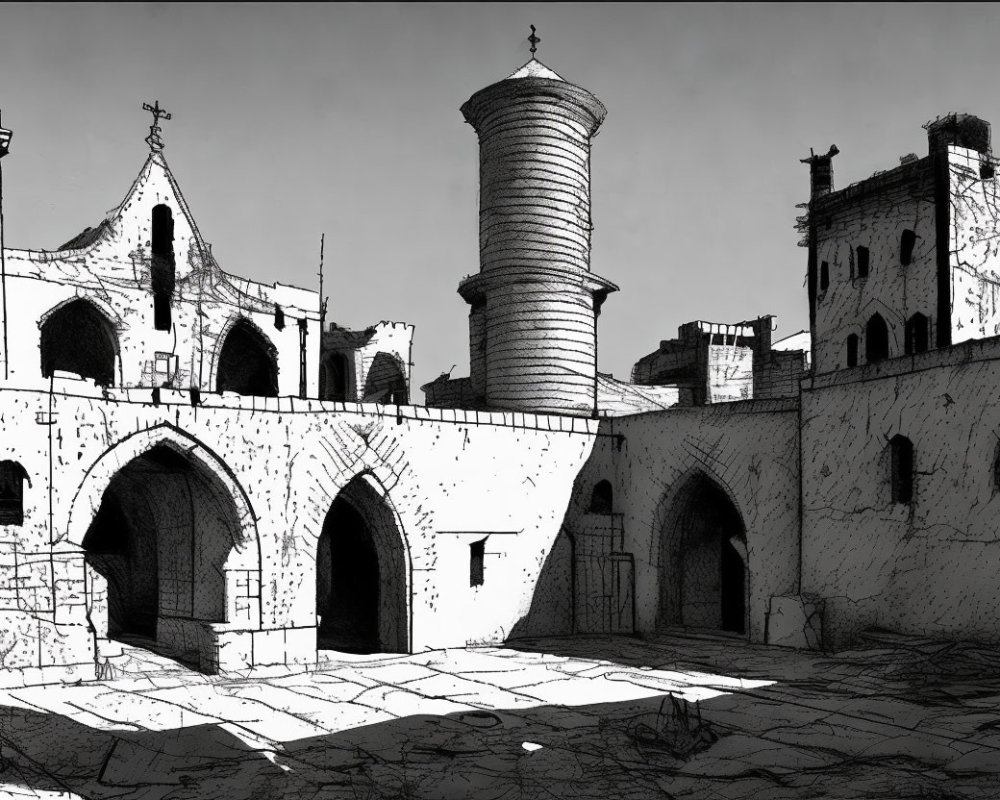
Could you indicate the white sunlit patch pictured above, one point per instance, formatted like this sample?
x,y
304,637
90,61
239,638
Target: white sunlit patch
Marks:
x,y
531,746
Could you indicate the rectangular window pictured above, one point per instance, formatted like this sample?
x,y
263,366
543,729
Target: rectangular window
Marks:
x,y
824,276
863,262
477,552
12,477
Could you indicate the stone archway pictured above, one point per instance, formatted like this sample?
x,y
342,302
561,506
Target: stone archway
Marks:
x,y
362,574
170,549
704,579
247,362
77,337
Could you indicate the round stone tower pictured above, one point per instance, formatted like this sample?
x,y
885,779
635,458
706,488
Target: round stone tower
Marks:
x,y
533,322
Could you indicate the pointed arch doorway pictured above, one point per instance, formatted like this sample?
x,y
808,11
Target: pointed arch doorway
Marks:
x,y
704,580
362,574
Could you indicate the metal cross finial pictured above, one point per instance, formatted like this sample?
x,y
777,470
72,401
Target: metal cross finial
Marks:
x,y
153,140
156,111
534,41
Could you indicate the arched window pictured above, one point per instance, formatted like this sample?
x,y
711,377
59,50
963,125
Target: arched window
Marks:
x,y
916,334
876,340
163,265
12,477
78,338
906,243
248,362
602,498
901,469
852,350
385,382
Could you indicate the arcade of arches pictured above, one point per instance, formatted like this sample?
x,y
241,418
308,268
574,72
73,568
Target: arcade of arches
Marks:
x,y
704,574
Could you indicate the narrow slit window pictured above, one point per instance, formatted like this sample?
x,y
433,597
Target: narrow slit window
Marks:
x,y
852,350
901,469
917,338
824,276
477,554
163,266
863,262
279,318
906,243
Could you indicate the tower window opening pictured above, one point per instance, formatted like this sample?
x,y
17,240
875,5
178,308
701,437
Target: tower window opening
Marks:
x,y
279,318
916,334
852,350
824,276
901,469
876,340
863,262
906,244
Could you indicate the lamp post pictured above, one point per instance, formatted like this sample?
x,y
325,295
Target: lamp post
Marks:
x,y
5,137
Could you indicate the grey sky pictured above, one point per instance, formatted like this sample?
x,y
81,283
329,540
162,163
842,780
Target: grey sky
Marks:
x,y
290,120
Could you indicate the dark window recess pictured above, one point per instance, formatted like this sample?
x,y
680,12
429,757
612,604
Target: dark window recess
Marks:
x,y
916,334
279,318
12,477
863,262
248,363
996,470
876,340
78,338
162,269
852,350
477,553
906,243
986,171
901,469
824,276
602,498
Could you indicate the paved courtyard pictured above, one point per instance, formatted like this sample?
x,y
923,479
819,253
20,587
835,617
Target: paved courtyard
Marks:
x,y
679,716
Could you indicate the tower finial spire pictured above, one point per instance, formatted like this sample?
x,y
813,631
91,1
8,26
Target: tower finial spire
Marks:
x,y
153,140
534,41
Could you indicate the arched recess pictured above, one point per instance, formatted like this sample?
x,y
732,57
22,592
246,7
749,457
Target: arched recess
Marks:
x,y
602,498
363,573
386,381
78,337
246,361
876,339
169,540
704,571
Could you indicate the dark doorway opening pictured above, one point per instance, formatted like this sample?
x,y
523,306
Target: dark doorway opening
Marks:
x,y
160,540
334,377
347,582
362,574
704,582
248,363
78,338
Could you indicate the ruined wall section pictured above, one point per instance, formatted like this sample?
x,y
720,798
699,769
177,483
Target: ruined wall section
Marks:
x,y
873,214
974,245
112,269
928,567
